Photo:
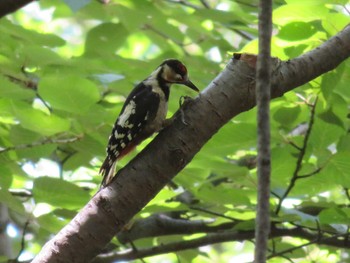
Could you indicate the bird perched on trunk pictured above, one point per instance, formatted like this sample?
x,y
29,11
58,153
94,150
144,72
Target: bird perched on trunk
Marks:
x,y
143,113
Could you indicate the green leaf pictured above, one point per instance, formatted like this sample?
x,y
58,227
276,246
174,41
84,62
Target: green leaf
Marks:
x,y
344,143
11,202
6,177
287,115
132,19
231,137
19,35
283,166
221,195
221,16
22,136
296,31
285,247
71,93
77,160
333,216
105,39
9,89
337,169
294,11
37,152
324,134
39,122
329,117
51,222
40,56
59,193
89,145
246,225
333,22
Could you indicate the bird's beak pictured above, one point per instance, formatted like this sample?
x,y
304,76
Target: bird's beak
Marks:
x,y
189,84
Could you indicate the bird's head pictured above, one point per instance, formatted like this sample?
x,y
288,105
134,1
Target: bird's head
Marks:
x,y
173,71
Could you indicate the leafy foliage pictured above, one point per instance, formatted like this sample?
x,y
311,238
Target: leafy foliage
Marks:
x,y
65,71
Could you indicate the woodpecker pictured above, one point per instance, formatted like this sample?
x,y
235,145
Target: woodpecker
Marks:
x,y
143,113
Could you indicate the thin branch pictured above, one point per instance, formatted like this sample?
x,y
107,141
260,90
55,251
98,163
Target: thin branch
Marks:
x,y
294,145
226,236
176,246
315,241
26,83
263,96
310,174
346,190
243,34
212,213
205,4
301,155
40,143
165,225
22,240
346,9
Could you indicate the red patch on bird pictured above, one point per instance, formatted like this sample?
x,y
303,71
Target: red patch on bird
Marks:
x,y
182,69
126,150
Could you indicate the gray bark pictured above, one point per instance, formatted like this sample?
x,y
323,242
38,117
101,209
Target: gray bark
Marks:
x,y
263,86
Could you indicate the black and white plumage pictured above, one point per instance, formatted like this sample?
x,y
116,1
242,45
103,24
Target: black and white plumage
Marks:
x,y
143,113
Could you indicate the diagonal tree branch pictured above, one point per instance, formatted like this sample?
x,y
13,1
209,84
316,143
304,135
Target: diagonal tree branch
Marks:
x,y
231,93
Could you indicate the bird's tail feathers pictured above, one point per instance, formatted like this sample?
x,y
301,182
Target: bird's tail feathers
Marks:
x,y
107,170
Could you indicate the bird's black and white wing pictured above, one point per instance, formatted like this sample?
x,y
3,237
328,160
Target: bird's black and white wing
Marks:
x,y
140,109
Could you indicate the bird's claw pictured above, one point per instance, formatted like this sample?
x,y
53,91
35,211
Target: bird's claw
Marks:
x,y
184,100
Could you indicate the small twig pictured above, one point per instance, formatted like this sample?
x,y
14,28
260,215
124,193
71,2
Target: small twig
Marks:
x,y
295,176
289,250
294,145
22,240
205,4
30,84
44,102
243,34
346,190
224,236
212,213
310,174
40,143
315,241
275,194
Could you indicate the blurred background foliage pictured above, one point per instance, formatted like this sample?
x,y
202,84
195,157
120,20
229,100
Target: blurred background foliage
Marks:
x,y
66,67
